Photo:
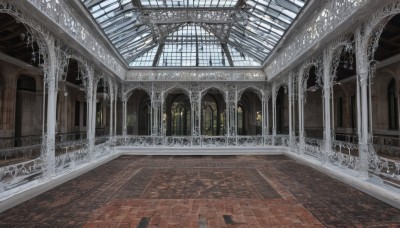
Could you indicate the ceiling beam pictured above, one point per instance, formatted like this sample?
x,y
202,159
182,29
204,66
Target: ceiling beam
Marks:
x,y
22,64
228,54
137,3
158,54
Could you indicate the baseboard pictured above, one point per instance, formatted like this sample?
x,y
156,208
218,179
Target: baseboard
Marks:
x,y
270,150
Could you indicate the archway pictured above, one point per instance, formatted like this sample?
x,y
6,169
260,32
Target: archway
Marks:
x,y
177,114
282,111
21,92
384,93
249,114
213,108
139,113
313,115
344,106
72,125
102,111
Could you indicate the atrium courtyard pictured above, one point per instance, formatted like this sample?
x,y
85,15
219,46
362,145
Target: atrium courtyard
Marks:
x,y
199,113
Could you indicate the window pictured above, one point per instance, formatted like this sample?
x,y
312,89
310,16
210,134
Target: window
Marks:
x,y
392,105
77,113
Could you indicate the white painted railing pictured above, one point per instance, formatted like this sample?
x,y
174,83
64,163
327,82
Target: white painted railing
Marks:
x,y
73,154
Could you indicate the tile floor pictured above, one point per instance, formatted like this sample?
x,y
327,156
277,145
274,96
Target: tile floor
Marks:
x,y
202,191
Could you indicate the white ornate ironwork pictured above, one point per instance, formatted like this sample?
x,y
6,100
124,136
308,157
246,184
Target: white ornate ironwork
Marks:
x,y
195,75
331,16
59,12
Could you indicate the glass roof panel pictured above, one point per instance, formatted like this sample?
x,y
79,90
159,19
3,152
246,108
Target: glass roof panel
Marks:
x,y
145,60
194,32
188,3
192,45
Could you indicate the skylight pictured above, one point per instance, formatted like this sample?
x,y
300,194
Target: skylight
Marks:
x,y
194,33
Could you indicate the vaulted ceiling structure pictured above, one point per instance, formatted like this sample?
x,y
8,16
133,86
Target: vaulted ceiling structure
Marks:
x,y
194,33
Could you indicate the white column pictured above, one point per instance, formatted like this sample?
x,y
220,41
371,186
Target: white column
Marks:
x,y
89,102
263,115
124,116
52,80
290,92
115,108
93,119
227,114
362,84
157,114
195,101
232,106
111,92
301,112
267,113
327,88
273,113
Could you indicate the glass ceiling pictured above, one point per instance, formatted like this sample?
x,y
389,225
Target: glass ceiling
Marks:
x,y
190,33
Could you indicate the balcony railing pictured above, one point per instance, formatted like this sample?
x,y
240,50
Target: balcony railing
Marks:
x,y
72,154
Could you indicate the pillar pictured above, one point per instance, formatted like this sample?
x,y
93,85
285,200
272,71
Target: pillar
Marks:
x,y
195,101
274,95
52,80
111,93
156,113
362,100
327,91
124,100
290,92
90,99
301,112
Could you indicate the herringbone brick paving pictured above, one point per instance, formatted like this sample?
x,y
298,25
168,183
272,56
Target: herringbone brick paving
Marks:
x,y
202,191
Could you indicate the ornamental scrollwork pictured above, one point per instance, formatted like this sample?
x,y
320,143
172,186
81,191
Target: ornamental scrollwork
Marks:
x,y
332,15
60,13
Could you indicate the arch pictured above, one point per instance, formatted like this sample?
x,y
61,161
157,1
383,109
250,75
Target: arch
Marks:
x,y
215,87
39,33
254,89
374,27
131,90
175,88
333,54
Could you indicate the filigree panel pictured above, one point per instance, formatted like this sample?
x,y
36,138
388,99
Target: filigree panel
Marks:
x,y
331,16
59,12
195,75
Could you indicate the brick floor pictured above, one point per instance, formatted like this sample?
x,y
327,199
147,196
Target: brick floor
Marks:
x,y
200,191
